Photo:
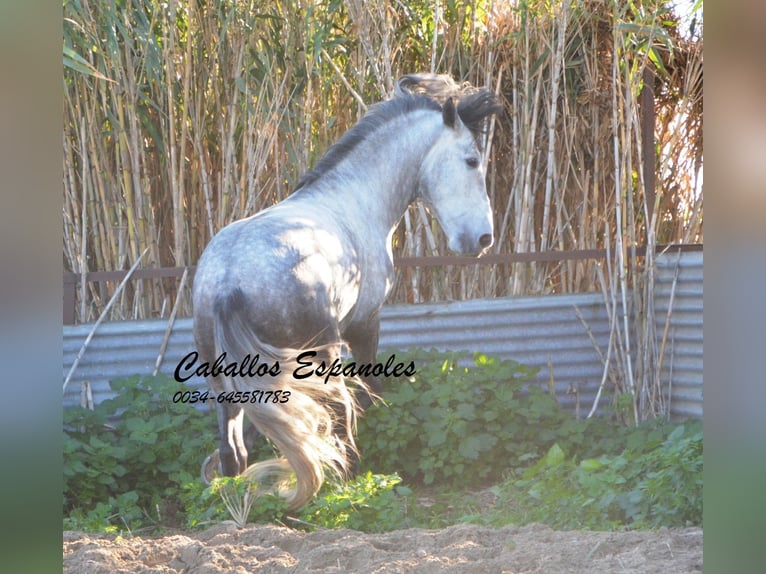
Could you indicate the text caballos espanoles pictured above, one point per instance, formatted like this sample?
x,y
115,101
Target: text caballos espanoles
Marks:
x,y
250,366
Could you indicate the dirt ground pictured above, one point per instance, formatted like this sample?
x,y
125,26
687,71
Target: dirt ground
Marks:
x,y
459,549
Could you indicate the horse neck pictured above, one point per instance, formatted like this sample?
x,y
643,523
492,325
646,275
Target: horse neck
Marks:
x,y
378,180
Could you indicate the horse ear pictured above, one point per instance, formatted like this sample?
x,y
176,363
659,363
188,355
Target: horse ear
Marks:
x,y
449,113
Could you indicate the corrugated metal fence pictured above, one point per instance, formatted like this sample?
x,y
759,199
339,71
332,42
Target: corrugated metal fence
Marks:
x,y
542,332
678,280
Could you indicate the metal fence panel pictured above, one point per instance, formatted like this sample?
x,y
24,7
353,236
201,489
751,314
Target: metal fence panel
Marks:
x,y
542,332
539,332
122,349
680,276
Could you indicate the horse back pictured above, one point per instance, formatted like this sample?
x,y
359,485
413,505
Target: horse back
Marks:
x,y
297,277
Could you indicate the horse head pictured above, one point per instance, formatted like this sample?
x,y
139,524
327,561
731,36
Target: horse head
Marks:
x,y
452,177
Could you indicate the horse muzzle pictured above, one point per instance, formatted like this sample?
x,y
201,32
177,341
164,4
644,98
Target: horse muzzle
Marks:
x,y
472,245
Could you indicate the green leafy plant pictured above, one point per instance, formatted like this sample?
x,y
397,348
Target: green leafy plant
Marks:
x,y
110,517
451,418
129,458
369,503
669,493
245,503
654,483
456,425
133,463
202,505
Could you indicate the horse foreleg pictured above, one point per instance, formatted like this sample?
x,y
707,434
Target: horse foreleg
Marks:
x,y
362,338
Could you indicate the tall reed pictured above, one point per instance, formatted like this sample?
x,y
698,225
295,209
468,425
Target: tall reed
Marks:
x,y
181,116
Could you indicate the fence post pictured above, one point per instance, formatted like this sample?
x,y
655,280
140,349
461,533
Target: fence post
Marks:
x,y
70,282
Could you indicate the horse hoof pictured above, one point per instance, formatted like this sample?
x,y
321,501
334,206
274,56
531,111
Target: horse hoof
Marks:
x,y
211,467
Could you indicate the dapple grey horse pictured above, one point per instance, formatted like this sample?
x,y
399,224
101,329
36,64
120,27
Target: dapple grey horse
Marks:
x,y
312,272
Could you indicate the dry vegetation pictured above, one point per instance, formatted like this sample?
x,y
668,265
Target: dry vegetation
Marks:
x,y
183,116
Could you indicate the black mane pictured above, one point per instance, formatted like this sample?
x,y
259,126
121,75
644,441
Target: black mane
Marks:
x,y
376,116
472,110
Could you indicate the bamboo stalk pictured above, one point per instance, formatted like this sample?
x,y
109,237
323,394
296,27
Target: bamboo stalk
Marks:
x,y
668,316
611,307
171,322
619,247
343,79
172,120
557,63
83,268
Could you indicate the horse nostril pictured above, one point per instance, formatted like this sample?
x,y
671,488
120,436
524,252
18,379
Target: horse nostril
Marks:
x,y
485,240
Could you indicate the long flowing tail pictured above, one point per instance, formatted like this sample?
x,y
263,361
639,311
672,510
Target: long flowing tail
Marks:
x,y
313,427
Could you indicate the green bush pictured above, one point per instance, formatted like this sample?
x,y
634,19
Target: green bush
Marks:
x,y
650,484
453,424
369,503
206,505
126,462
134,461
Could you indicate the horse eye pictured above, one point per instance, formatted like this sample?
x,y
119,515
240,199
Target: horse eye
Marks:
x,y
472,162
